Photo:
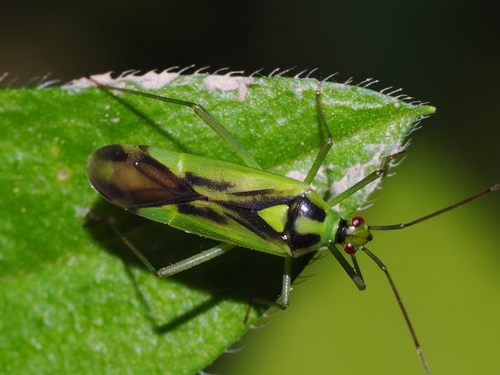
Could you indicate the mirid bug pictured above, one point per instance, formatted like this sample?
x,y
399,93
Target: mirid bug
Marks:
x,y
240,205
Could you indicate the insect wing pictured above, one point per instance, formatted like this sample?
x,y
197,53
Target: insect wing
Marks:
x,y
208,197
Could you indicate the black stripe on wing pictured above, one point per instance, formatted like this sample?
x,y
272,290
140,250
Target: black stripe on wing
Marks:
x,y
251,220
132,179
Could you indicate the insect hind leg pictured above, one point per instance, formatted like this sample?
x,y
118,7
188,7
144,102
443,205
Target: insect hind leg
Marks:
x,y
171,269
181,265
207,118
192,261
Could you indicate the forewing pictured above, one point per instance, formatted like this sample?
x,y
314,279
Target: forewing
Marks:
x,y
128,177
208,197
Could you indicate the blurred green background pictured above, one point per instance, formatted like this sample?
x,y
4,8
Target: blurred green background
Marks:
x,y
442,52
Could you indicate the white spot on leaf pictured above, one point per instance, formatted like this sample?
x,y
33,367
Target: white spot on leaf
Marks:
x,y
357,172
229,83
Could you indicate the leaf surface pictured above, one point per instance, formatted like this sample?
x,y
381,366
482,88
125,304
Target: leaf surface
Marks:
x,y
74,299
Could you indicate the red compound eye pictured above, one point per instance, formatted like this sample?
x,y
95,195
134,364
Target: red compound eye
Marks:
x,y
357,221
350,249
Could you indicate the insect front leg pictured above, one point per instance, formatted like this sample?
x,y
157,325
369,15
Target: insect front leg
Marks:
x,y
354,273
380,172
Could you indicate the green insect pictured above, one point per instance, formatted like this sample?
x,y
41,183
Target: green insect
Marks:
x,y
239,205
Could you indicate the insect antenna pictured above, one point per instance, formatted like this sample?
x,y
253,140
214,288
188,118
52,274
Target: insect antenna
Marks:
x,y
439,212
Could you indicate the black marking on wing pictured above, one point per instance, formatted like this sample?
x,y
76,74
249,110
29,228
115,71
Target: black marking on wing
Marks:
x,y
165,187
256,200
251,220
113,153
205,213
260,199
195,180
246,214
129,177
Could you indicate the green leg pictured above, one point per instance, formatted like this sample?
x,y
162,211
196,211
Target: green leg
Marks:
x,y
286,287
193,261
356,277
327,143
204,115
184,264
177,267
354,273
325,148
323,152
365,181
401,306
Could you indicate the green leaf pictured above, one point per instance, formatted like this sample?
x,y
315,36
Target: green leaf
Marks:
x,y
74,299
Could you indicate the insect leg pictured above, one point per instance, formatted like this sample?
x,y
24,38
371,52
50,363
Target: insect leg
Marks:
x,y
401,306
203,114
354,273
286,287
184,264
327,143
284,300
357,278
177,267
194,260
380,172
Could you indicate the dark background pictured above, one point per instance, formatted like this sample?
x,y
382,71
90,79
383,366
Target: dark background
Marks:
x,y
442,52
